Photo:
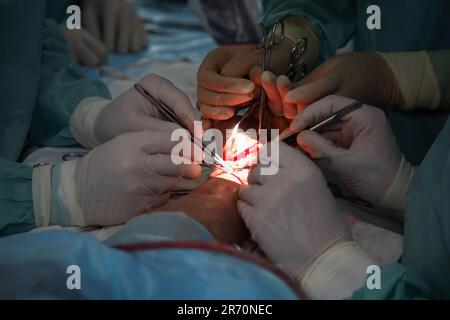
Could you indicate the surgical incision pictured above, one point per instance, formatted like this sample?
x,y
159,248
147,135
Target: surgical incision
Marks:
x,y
240,153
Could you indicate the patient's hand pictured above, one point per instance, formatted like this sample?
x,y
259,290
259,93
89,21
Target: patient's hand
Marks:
x,y
213,205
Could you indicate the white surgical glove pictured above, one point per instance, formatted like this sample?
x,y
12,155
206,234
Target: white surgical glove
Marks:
x,y
116,23
98,120
361,150
115,182
292,215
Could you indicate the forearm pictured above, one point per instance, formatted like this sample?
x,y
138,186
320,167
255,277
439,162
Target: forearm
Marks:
x,y
423,78
333,22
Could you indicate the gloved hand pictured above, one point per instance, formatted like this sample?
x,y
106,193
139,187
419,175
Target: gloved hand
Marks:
x,y
361,150
117,181
276,88
363,76
130,112
292,215
84,47
222,83
115,23
213,204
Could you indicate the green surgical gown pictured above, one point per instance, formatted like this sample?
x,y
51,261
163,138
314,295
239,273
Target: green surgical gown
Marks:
x,y
406,25
425,268
40,86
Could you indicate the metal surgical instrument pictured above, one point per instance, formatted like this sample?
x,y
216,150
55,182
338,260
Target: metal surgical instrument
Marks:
x,y
294,72
169,115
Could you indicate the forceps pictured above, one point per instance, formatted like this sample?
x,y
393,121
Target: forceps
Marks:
x,y
295,71
268,41
169,115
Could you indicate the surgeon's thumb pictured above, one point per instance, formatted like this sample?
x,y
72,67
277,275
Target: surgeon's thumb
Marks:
x,y
316,146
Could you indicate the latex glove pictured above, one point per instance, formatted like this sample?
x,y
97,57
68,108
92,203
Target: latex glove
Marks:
x,y
222,78
95,123
276,89
116,23
117,181
361,150
84,47
362,75
292,215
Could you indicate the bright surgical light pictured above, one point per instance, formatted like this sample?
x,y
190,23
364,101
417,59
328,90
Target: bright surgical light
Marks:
x,y
240,153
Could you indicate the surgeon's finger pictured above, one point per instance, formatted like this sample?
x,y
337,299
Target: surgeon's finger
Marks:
x,y
250,194
239,66
155,202
268,81
333,136
215,82
209,76
216,112
86,56
313,91
255,75
159,184
318,110
284,85
171,96
109,18
245,211
124,30
206,123
136,39
96,46
222,98
255,176
163,165
316,146
91,21
160,142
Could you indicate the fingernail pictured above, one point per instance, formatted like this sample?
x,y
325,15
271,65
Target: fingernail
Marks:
x,y
283,81
248,87
294,126
268,76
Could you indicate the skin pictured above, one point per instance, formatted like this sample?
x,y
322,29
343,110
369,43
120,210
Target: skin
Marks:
x,y
213,205
225,80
